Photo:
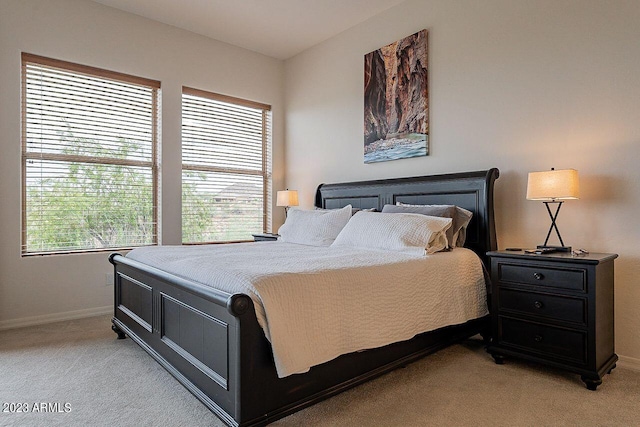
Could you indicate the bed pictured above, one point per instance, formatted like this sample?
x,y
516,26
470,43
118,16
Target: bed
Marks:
x,y
211,341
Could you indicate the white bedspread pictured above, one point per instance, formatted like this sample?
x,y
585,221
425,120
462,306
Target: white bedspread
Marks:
x,y
316,303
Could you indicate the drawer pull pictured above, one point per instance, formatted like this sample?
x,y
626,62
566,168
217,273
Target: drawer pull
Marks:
x,y
537,304
538,276
538,338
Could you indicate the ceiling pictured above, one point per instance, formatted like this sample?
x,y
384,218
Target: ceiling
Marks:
x,y
276,28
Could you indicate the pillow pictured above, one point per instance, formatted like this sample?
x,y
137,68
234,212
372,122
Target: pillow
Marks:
x,y
405,232
356,210
456,235
353,210
316,227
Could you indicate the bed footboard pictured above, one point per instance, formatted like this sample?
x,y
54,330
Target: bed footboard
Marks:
x,y
192,330
211,342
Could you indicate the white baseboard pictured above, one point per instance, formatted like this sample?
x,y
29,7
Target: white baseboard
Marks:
x,y
629,363
56,317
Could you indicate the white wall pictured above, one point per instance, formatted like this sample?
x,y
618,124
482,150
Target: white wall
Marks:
x,y
515,84
44,288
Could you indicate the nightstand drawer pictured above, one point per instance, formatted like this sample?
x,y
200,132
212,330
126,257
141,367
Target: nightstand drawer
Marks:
x,y
548,340
549,306
543,276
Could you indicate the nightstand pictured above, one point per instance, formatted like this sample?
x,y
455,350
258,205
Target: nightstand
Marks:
x,y
555,309
265,237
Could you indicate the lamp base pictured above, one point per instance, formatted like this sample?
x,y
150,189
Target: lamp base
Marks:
x,y
556,248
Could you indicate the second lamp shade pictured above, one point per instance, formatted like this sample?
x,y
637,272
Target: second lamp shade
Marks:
x,y
553,185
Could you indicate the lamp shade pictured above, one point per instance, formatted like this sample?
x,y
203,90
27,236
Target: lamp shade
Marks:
x,y
553,185
287,198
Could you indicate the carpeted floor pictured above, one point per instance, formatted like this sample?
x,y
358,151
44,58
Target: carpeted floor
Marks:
x,y
109,382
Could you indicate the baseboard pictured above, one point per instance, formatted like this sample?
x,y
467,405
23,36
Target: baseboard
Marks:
x,y
629,363
56,317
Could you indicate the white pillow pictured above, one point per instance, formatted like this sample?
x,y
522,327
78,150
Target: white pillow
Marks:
x,y
401,232
315,228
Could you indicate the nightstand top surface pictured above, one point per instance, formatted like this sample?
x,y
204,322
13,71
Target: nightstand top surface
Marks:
x,y
590,258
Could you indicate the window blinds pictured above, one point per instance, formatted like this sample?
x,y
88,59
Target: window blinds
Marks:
x,y
226,167
89,142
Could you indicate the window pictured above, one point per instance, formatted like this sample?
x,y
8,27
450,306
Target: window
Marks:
x,y
226,167
89,168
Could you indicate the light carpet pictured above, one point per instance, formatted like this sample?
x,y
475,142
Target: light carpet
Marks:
x,y
109,382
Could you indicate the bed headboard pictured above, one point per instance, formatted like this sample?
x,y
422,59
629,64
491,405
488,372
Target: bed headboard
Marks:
x,y
470,190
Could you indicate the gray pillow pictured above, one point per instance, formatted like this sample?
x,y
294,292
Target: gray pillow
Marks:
x,y
356,210
353,210
456,234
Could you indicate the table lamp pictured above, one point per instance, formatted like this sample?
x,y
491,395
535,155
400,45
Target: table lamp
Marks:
x,y
287,198
553,187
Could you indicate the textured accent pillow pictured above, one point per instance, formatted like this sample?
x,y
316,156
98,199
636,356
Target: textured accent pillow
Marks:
x,y
317,227
410,233
456,235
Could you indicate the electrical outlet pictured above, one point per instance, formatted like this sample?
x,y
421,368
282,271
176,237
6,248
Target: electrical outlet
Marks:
x,y
108,279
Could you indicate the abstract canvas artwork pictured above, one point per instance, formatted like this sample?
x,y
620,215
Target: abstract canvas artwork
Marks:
x,y
396,113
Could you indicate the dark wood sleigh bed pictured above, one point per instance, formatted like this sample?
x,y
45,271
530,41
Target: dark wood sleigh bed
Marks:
x,y
212,343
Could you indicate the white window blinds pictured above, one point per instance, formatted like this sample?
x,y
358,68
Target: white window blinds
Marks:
x,y
226,167
89,143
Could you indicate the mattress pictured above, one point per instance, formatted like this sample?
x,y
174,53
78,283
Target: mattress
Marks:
x,y
317,303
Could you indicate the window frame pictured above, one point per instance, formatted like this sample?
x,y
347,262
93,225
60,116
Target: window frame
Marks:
x,y
153,164
265,172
